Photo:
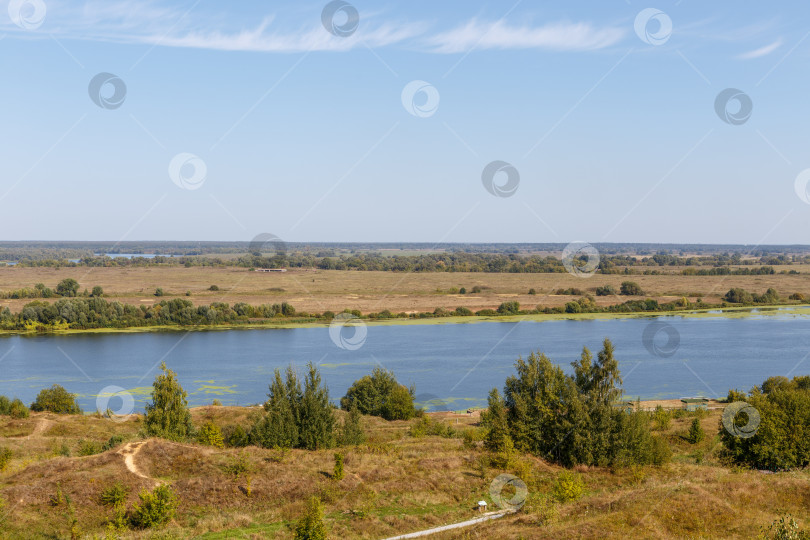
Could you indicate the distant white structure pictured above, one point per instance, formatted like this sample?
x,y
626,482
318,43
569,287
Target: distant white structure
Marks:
x,y
271,269
482,506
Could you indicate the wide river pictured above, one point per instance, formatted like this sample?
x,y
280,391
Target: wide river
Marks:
x,y
454,365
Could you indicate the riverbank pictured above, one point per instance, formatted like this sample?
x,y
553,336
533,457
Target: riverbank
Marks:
x,y
787,310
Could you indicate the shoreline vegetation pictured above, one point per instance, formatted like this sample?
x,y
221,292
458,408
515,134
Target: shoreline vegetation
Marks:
x,y
76,312
303,468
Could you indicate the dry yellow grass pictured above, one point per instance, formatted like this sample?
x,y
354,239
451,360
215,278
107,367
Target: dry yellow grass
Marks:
x,y
322,290
393,484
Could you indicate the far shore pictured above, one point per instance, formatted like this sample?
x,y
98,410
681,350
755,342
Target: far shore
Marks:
x,y
713,312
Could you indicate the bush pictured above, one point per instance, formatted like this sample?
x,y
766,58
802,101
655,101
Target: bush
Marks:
x,y
696,433
379,394
785,528
15,409
605,290
338,473
5,458
462,291
509,308
631,288
113,441
661,419
797,296
352,432
311,526
159,292
88,448
155,509
56,400
67,287
211,435
738,296
213,288
532,292
568,487
235,436
113,495
97,292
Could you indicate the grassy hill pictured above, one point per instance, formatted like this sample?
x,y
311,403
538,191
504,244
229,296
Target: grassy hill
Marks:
x,y
394,483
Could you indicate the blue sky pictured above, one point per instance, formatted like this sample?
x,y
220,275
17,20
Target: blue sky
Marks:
x,y
610,123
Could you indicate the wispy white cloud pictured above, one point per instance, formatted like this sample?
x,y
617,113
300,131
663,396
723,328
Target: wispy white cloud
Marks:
x,y
762,51
500,35
154,22
261,39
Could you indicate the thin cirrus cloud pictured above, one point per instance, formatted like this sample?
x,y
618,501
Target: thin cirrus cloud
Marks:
x,y
762,51
500,35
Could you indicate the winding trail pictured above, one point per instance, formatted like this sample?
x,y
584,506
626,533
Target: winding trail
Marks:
x,y
129,451
459,525
42,426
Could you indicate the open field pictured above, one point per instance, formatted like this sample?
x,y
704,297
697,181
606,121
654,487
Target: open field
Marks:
x,y
335,290
395,483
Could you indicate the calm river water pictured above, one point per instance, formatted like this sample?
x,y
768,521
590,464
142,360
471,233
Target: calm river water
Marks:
x,y
454,365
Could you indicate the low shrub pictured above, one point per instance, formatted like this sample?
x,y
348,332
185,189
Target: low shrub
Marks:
x,y
156,508
568,487
113,495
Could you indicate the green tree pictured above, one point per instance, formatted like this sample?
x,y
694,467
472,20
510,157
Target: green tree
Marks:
x,y
738,296
211,435
56,400
316,421
167,415
338,473
352,432
294,417
509,308
97,291
311,525
67,287
379,394
498,439
696,433
631,288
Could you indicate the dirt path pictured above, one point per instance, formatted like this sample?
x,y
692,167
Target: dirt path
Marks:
x,y
129,451
42,426
461,524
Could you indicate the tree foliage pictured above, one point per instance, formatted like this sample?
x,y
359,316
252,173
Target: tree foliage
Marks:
x,y
167,415
572,419
56,400
781,439
296,417
379,394
311,525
